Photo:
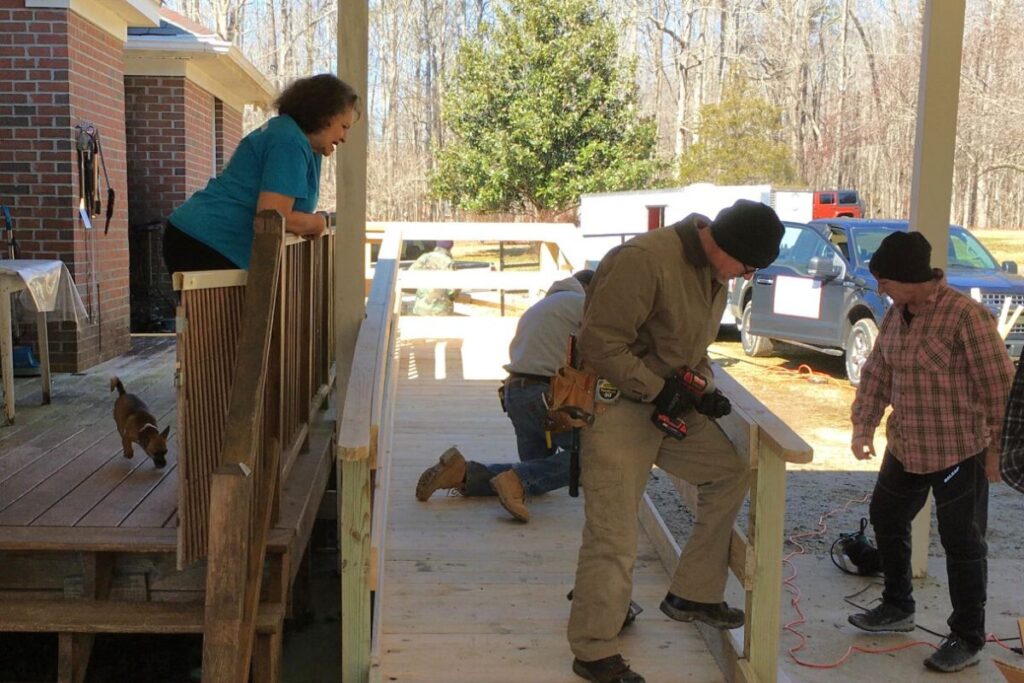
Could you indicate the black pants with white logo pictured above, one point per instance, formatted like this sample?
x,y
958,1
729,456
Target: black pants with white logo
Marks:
x,y
961,503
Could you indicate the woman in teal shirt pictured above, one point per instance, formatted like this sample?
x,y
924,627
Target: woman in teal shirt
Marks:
x,y
276,166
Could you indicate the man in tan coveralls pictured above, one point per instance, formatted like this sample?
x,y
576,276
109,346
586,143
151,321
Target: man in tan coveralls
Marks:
x,y
654,306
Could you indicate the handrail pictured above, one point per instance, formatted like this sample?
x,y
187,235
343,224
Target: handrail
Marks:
x,y
358,449
241,501
755,558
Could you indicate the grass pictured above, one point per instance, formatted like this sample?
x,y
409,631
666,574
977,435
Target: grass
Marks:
x,y
1005,245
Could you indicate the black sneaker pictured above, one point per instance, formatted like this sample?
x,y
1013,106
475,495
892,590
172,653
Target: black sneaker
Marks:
x,y
953,655
885,618
717,614
612,669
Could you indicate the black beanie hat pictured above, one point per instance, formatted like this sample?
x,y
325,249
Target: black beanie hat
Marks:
x,y
903,257
748,231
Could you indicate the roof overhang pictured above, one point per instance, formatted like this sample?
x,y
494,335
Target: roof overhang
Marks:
x,y
113,16
213,64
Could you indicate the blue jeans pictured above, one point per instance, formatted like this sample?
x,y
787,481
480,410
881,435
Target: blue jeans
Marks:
x,y
541,469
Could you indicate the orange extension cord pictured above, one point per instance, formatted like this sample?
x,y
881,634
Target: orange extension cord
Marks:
x,y
794,591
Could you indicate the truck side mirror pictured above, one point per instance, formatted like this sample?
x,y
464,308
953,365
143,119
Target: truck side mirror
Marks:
x,y
823,267
1010,267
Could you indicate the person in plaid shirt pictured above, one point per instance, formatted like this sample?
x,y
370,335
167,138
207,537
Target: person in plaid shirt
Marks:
x,y
1012,467
940,363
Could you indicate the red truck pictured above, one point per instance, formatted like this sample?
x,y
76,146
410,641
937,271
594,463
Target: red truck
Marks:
x,y
836,204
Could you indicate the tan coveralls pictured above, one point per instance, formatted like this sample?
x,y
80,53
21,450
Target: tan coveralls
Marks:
x,y
653,306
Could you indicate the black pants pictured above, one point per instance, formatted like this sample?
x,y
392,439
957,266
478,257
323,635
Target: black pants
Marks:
x,y
961,502
183,253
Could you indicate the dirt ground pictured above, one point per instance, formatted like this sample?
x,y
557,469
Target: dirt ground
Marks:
x,y
815,400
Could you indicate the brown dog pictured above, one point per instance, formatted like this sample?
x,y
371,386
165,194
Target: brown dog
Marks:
x,y
136,423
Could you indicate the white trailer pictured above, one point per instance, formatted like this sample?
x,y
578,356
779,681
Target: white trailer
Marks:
x,y
608,219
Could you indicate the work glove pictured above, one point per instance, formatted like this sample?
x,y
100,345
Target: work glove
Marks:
x,y
714,404
675,398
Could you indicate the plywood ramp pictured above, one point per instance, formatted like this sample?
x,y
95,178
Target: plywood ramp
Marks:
x,y
469,595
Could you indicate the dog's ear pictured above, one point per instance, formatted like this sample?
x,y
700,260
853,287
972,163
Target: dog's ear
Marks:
x,y
167,430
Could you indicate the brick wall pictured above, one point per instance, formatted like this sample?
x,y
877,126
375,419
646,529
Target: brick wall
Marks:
x,y
229,133
199,129
176,132
56,69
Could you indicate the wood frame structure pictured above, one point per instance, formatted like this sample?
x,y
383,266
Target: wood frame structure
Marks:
x,y
269,464
755,558
364,449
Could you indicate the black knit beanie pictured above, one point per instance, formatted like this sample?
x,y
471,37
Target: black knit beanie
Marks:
x,y
748,231
903,257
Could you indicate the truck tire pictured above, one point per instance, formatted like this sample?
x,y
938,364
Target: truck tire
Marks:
x,y
753,345
859,343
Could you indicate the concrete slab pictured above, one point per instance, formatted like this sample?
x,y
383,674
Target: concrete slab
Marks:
x,y
824,590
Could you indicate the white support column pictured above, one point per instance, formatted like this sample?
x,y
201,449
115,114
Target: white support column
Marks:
x,y
934,146
349,253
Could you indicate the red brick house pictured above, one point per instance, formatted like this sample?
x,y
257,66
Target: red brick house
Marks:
x,y
64,62
185,91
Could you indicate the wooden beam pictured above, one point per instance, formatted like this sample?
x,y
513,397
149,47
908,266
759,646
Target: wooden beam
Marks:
x,y
355,570
766,587
350,207
931,189
241,504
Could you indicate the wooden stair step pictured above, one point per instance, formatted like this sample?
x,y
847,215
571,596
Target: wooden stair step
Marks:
x,y
103,616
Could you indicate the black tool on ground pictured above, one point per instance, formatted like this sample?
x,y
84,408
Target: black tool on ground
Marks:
x,y
683,389
574,448
855,549
88,148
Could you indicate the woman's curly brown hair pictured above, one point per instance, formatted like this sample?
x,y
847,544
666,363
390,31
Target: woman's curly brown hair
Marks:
x,y
315,100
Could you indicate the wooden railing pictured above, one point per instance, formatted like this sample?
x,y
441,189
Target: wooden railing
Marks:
x,y
364,436
755,558
364,443
255,356
300,370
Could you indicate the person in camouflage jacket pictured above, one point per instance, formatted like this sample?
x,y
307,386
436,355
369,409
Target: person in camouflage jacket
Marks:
x,y
434,301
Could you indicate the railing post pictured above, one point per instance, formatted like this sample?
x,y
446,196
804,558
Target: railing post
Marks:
x,y
240,491
769,509
355,570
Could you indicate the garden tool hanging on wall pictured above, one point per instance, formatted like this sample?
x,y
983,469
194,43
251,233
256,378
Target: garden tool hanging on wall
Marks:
x,y
89,149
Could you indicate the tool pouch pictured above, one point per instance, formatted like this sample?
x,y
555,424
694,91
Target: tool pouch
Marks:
x,y
501,397
572,400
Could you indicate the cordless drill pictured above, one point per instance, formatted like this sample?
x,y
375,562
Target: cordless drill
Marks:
x,y
693,384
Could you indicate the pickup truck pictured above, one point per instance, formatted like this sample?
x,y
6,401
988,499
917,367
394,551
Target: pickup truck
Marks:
x,y
820,294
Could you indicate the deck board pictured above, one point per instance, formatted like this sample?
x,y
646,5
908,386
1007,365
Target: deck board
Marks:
x,y
469,594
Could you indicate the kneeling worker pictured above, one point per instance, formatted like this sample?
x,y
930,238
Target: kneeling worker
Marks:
x,y
537,351
652,310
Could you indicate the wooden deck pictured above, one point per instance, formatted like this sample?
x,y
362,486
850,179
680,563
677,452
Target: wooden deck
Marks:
x,y
66,487
468,593
62,468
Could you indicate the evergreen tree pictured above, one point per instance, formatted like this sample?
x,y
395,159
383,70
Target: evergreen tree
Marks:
x,y
541,111
739,142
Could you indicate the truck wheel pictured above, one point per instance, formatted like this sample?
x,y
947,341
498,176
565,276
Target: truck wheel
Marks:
x,y
753,345
858,345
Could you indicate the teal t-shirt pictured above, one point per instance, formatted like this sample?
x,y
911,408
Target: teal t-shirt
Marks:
x,y
276,157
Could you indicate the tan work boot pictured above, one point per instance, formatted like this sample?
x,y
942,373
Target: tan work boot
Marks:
x,y
511,494
448,473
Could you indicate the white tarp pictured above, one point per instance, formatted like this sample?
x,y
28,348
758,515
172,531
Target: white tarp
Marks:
x,y
48,287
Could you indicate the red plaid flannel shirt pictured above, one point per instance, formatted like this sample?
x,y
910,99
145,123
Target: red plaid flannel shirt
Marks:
x,y
947,376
